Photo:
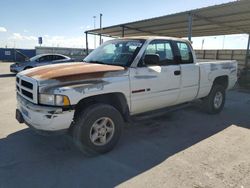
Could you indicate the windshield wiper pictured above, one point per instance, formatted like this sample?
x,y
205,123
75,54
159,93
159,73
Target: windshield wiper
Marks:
x,y
103,63
98,62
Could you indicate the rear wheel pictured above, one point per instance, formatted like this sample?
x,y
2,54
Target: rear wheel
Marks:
x,y
97,129
215,101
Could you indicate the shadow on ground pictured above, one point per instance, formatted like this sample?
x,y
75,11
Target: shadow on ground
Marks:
x,y
29,160
7,75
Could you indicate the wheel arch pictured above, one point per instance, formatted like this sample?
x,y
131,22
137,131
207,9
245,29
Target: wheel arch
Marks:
x,y
221,80
116,99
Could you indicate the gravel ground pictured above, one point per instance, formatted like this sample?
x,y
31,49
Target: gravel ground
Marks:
x,y
185,148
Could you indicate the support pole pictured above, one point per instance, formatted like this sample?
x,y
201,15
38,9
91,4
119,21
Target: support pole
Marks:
x,y
123,30
190,22
100,29
87,45
94,35
247,52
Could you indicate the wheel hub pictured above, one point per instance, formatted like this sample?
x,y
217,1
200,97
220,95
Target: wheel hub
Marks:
x,y
218,100
102,131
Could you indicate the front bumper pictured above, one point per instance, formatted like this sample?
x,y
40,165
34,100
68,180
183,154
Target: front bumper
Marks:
x,y
42,117
16,69
13,69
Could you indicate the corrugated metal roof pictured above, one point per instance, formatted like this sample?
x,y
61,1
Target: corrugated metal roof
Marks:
x,y
228,18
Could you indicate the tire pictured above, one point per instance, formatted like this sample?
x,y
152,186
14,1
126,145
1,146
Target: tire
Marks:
x,y
214,102
90,122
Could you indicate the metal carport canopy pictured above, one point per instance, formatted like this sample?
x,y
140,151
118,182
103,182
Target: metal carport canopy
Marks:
x,y
228,18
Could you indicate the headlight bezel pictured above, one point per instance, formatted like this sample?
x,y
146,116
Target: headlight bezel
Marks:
x,y
53,100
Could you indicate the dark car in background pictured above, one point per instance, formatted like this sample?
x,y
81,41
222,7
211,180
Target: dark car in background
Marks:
x,y
39,60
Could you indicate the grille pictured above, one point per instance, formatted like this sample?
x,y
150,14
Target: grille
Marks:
x,y
27,88
17,79
27,84
27,94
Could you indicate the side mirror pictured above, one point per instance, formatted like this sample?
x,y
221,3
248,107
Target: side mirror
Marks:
x,y
151,59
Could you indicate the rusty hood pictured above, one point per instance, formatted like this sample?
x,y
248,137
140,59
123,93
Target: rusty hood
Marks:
x,y
72,71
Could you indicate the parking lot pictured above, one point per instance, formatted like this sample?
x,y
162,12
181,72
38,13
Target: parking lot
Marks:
x,y
185,148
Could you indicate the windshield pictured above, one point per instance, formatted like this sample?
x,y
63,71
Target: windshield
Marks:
x,y
116,52
35,58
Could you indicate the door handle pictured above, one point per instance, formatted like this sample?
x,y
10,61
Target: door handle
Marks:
x,y
177,72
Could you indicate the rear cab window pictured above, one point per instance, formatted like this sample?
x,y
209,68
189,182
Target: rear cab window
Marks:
x,y
185,52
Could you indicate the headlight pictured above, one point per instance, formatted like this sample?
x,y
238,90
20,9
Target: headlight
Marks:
x,y
54,100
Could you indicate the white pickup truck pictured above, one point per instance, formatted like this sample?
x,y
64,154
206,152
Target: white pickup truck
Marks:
x,y
120,79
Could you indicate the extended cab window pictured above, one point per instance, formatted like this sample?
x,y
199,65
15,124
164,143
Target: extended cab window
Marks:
x,y
163,49
185,53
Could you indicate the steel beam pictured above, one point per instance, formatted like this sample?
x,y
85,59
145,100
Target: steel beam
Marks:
x,y
87,45
190,23
104,35
123,30
247,52
100,29
143,31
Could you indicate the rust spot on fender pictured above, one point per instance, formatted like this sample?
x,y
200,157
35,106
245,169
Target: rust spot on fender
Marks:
x,y
72,71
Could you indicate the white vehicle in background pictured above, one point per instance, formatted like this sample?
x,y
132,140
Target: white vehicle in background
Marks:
x,y
120,79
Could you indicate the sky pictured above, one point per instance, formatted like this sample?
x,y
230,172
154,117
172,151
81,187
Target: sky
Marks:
x,y
62,23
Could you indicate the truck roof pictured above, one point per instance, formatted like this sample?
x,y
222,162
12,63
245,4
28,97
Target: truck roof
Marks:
x,y
156,37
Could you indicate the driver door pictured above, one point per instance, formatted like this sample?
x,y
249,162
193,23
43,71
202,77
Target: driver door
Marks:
x,y
155,86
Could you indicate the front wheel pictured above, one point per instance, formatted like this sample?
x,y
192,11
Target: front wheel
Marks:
x,y
97,129
215,101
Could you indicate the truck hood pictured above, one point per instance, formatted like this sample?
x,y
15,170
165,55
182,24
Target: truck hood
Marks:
x,y
68,72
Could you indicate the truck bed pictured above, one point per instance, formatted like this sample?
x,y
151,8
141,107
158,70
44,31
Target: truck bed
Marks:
x,y
213,61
